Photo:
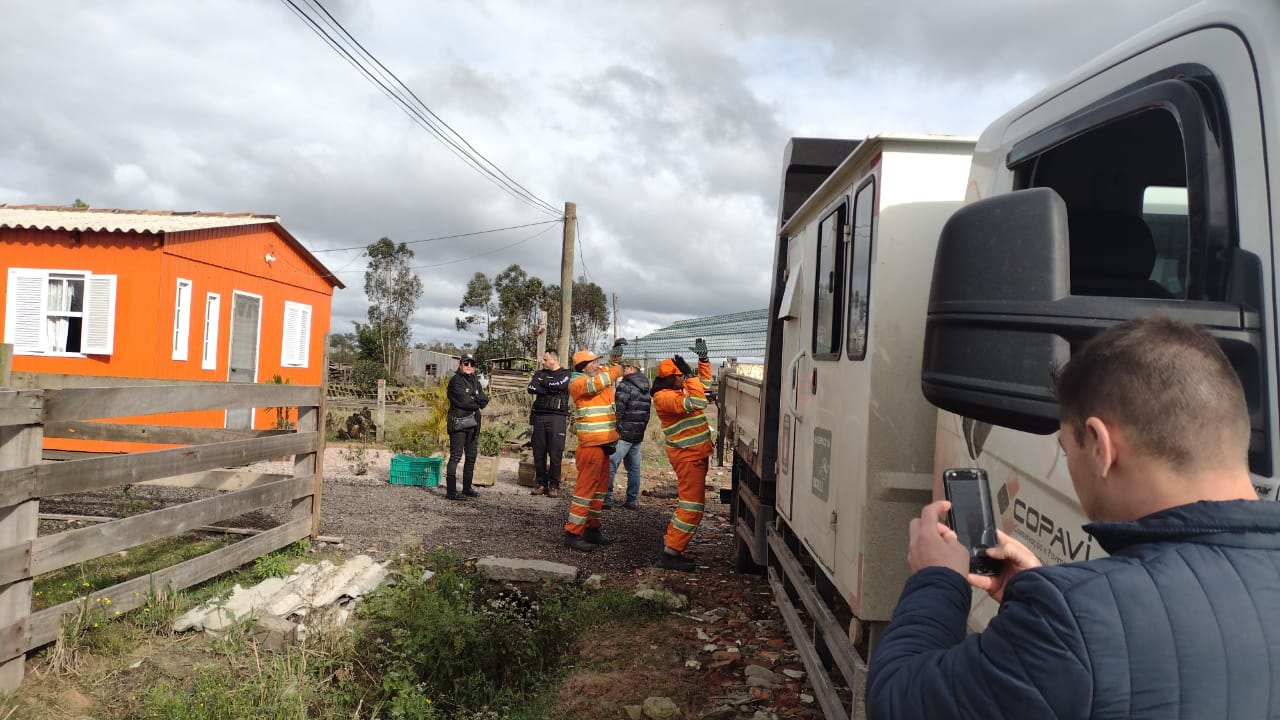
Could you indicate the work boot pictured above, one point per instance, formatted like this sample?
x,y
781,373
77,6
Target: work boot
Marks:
x,y
667,561
631,506
573,542
595,537
470,493
553,492
451,495
540,490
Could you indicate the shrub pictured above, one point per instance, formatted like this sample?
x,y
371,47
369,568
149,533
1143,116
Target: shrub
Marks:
x,y
415,438
493,437
458,643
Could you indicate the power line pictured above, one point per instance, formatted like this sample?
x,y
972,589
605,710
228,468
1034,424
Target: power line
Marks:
x,y
445,237
428,121
581,258
469,257
423,105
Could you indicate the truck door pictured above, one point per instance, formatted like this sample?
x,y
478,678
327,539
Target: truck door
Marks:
x,y
1161,162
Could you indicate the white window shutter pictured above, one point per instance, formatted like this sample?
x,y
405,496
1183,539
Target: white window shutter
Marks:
x,y
24,309
304,335
297,335
99,315
182,320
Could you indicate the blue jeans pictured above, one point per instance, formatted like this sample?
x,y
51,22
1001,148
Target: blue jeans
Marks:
x,y
630,454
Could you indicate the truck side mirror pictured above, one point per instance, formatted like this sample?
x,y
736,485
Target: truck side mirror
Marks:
x,y
999,264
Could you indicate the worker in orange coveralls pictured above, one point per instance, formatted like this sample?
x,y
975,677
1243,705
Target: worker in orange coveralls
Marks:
x,y
680,399
591,389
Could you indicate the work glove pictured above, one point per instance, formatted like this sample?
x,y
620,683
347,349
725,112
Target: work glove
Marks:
x,y
682,365
700,349
616,353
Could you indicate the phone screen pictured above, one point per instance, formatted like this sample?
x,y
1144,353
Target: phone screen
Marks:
x,y
967,509
971,515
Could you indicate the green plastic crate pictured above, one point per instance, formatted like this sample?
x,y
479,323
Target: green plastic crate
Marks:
x,y
413,470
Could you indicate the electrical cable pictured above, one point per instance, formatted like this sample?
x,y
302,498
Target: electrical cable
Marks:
x,y
343,30
446,237
507,185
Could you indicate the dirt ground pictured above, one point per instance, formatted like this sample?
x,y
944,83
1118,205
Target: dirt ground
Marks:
x,y
696,657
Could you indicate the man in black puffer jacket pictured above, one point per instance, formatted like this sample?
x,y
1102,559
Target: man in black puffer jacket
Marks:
x,y
549,417
631,404
1176,623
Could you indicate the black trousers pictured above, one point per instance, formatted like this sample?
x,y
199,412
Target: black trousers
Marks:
x,y
548,447
462,442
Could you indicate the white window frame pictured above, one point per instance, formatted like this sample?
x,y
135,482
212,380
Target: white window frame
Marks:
x,y
27,313
182,320
295,339
209,349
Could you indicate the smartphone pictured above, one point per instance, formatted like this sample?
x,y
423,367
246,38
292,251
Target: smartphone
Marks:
x,y
971,516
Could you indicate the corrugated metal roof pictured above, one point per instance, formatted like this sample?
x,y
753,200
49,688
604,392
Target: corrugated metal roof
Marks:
x,y
740,335
69,219
55,217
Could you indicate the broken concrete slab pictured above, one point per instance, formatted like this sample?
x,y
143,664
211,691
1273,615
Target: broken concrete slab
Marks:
x,y
520,570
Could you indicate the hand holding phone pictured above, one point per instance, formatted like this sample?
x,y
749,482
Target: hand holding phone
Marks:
x,y
971,517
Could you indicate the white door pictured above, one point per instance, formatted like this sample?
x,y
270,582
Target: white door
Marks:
x,y
246,311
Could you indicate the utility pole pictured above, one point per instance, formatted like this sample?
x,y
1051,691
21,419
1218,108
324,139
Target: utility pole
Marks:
x,y
615,316
566,279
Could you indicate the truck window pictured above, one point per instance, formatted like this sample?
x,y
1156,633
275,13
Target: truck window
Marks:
x,y
1141,176
829,285
860,270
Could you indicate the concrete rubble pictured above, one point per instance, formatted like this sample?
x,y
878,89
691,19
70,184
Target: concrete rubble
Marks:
x,y
518,570
314,596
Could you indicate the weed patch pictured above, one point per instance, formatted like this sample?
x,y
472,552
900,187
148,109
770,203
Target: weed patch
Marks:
x,y
460,645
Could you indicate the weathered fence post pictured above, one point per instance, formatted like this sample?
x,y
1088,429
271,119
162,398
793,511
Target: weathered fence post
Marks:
x,y
382,410
19,447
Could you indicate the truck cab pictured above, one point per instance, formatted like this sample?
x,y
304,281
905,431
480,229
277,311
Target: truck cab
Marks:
x,y
1141,185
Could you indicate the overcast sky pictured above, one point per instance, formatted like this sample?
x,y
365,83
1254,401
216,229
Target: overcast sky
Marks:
x,y
663,120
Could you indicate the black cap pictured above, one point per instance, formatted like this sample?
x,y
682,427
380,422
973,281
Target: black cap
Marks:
x,y
467,357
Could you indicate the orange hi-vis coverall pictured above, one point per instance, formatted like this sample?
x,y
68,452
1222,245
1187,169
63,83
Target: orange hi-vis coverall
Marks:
x,y
688,442
592,397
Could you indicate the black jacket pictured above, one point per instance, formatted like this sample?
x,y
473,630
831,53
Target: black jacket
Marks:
x,y
1177,623
465,395
631,406
550,390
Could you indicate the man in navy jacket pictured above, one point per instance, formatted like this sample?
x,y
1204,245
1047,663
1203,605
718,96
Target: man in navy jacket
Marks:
x,y
1179,622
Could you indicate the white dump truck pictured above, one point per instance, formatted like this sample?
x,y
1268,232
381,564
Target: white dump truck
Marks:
x,y
924,286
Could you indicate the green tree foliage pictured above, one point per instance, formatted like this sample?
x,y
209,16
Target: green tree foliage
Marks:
x,y
508,307
393,291
343,348
589,315
80,204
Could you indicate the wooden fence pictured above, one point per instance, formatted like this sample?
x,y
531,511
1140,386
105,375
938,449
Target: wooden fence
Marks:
x,y
29,415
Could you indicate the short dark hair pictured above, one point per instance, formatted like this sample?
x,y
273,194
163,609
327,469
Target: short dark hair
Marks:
x,y
552,351
1166,382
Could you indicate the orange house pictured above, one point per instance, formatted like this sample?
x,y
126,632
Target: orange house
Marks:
x,y
154,294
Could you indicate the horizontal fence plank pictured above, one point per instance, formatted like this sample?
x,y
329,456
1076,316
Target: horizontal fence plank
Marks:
x,y
42,628
20,407
70,547
113,402
73,476
61,381
227,480
158,434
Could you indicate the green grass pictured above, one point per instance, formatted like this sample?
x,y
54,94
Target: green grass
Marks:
x,y
77,581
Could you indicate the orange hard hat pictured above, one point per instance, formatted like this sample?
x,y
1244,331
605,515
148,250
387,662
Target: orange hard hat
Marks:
x,y
668,367
583,356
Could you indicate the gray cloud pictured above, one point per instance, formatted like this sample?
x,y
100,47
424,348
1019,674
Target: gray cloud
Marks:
x,y
663,121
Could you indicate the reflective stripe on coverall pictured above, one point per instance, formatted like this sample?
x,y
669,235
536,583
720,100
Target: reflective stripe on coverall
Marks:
x,y
688,443
592,397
